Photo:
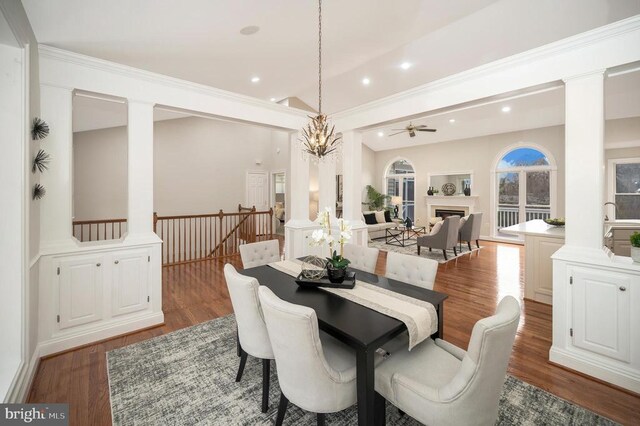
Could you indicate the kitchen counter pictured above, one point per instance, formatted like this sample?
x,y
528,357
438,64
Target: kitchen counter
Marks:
x,y
535,227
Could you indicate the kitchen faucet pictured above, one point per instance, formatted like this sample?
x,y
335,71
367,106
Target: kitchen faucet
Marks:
x,y
606,217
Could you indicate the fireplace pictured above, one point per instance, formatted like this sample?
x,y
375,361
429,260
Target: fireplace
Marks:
x,y
445,213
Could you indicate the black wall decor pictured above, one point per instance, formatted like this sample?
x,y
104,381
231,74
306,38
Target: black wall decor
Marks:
x,y
38,191
39,129
41,161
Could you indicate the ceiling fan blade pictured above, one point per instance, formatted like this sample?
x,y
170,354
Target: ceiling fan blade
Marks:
x,y
420,126
397,133
427,130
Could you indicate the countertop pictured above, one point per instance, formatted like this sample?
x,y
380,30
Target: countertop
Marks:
x,y
535,227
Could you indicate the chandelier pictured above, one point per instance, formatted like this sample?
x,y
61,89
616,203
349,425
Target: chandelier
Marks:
x,y
319,139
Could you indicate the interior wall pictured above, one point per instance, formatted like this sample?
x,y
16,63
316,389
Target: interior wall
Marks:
x,y
200,166
368,170
474,154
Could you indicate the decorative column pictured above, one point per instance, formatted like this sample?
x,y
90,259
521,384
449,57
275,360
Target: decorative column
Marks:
x,y
327,181
140,128
56,206
296,241
584,154
352,186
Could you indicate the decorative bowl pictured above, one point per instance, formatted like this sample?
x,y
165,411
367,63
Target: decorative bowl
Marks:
x,y
556,221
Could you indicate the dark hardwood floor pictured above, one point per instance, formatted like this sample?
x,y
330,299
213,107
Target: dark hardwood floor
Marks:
x,y
475,283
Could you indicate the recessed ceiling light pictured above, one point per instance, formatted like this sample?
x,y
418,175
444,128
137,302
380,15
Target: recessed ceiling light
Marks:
x,y
255,79
272,99
506,108
380,134
452,120
251,29
405,65
366,81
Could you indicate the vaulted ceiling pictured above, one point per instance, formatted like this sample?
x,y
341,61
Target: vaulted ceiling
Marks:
x,y
200,40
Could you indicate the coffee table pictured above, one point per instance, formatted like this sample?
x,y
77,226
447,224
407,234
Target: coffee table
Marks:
x,y
402,236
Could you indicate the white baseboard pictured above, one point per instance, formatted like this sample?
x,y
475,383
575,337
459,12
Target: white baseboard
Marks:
x,y
595,368
70,340
22,382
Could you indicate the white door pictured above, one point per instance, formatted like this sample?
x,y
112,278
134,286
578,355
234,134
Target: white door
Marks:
x,y
258,190
130,292
80,286
601,314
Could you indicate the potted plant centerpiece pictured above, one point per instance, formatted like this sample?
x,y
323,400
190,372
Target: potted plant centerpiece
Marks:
x,y
635,246
336,263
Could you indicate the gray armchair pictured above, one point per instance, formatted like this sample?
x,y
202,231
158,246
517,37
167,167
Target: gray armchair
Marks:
x,y
470,231
445,238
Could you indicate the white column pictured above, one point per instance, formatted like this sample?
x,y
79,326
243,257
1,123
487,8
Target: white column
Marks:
x,y
584,160
299,181
327,181
352,185
140,129
352,175
56,206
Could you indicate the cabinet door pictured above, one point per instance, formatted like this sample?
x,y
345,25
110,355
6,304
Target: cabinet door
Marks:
x,y
130,282
601,314
80,287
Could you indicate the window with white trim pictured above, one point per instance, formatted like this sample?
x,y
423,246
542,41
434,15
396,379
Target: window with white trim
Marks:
x,y
625,185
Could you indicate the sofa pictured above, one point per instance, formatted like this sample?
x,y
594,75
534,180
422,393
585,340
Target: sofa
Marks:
x,y
377,230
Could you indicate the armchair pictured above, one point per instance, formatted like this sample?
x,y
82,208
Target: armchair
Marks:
x,y
470,230
444,237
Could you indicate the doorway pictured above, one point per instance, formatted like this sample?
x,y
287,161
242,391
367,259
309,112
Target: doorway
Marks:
x,y
278,189
257,190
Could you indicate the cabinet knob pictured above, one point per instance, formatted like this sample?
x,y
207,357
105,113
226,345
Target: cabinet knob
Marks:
x,y
98,264
622,288
116,262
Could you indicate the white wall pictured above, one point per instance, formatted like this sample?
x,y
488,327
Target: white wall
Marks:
x,y
200,166
476,154
368,170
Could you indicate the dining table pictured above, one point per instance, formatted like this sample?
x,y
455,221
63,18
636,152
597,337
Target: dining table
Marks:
x,y
363,329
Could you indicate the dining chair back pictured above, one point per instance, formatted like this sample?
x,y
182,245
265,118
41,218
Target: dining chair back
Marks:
x,y
253,338
317,376
418,271
361,257
260,253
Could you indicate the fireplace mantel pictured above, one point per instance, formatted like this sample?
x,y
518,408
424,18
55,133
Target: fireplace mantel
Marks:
x,y
453,202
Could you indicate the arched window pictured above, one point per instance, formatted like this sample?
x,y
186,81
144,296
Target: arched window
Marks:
x,y
525,186
400,182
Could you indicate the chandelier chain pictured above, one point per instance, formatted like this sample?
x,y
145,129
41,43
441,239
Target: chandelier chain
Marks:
x,y
319,56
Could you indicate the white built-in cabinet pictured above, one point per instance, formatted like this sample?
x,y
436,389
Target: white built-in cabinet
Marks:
x,y
98,292
601,314
80,294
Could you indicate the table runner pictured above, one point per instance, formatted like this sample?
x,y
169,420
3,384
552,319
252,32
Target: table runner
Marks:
x,y
419,316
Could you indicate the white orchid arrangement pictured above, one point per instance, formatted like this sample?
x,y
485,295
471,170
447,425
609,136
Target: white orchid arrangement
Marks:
x,y
324,235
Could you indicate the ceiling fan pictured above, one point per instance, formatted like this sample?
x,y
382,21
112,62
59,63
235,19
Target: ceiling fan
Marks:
x,y
411,129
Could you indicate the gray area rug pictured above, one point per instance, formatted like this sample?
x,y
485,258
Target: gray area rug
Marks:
x,y
188,377
424,251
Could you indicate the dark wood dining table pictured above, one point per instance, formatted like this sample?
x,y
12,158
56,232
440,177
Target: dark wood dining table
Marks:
x,y
364,329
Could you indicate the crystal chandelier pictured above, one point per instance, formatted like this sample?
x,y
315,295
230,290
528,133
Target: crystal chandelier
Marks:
x,y
320,140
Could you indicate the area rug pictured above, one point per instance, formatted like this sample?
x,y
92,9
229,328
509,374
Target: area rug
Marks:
x,y
424,251
188,377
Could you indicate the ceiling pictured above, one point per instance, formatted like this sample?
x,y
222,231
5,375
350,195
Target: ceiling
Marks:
x,y
361,38
530,111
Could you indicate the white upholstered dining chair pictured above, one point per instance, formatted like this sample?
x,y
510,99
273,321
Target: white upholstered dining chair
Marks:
x,y
316,375
414,270
361,257
260,253
252,332
438,383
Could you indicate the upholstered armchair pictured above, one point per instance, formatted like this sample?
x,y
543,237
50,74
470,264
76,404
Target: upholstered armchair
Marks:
x,y
442,237
438,383
470,230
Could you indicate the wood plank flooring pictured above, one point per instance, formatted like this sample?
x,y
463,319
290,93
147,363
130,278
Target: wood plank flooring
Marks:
x,y
475,283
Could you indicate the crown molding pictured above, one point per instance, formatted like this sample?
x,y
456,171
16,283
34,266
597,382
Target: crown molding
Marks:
x,y
547,51
56,54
